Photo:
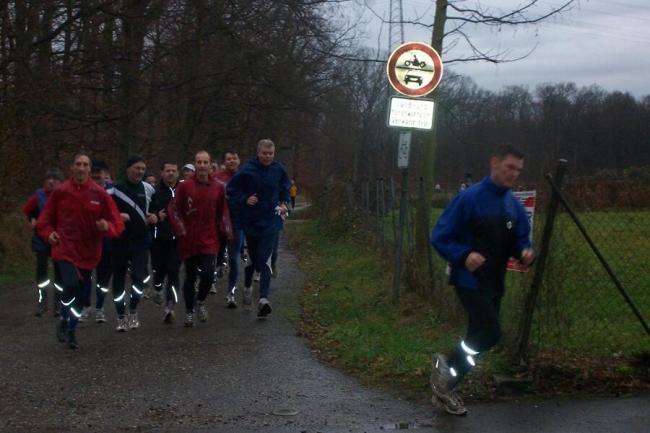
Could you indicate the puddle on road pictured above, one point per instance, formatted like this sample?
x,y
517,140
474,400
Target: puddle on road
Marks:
x,y
406,426
285,412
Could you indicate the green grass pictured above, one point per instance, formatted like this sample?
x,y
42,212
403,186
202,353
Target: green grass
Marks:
x,y
580,309
583,330
349,317
16,276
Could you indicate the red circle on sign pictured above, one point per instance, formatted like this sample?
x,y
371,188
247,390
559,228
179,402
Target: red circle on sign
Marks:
x,y
391,69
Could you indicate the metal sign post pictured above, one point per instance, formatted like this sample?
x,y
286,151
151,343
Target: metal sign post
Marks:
x,y
404,150
414,69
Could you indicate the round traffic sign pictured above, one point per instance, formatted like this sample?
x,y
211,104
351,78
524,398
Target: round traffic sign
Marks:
x,y
414,69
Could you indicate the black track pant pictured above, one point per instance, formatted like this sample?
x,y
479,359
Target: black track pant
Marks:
x,y
42,280
166,264
125,257
73,280
202,267
483,328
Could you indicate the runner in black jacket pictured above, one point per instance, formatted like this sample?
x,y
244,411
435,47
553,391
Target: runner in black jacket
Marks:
x,y
132,197
164,252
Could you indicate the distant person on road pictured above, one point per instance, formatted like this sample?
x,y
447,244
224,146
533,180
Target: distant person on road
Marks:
x,y
261,190
75,220
293,193
164,249
199,218
100,172
477,233
40,247
131,250
231,164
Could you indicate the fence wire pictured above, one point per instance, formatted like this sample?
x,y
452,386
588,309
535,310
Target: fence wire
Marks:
x,y
579,311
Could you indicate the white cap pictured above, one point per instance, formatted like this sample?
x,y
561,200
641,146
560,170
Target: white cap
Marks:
x,y
189,167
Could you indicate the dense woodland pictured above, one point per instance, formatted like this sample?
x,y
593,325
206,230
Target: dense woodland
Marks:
x,y
167,77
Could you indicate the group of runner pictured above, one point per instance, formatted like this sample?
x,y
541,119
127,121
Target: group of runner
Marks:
x,y
202,221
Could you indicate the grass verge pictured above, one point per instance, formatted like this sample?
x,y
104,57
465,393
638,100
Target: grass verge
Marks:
x,y
352,324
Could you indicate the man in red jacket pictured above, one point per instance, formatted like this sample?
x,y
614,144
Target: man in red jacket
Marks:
x,y
74,221
199,218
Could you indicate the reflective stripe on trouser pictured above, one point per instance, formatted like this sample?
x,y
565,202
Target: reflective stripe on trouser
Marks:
x,y
123,258
202,267
260,250
483,328
103,271
72,282
166,265
234,256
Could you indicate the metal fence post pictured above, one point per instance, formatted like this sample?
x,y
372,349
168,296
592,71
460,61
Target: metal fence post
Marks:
x,y
531,300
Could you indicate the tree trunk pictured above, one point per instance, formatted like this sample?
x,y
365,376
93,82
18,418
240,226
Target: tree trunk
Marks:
x,y
423,212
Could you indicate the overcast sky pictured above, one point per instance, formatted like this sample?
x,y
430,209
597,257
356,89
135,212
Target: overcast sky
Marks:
x,y
596,42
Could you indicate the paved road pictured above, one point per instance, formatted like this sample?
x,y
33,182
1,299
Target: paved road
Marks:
x,y
231,374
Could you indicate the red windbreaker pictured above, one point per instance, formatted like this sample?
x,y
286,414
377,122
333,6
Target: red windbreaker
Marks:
x,y
72,211
199,217
224,175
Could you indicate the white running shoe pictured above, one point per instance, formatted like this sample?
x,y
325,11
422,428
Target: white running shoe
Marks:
x,y
256,277
203,313
122,324
231,302
213,289
134,322
189,319
169,314
100,316
264,308
441,384
85,314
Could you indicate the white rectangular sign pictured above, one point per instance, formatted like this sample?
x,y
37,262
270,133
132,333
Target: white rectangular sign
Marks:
x,y
403,149
410,113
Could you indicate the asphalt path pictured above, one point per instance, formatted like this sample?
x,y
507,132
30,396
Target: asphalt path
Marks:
x,y
234,373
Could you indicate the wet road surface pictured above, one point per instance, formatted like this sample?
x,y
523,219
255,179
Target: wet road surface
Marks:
x,y
234,373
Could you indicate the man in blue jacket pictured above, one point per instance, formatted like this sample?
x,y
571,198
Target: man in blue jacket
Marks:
x,y
477,233
256,190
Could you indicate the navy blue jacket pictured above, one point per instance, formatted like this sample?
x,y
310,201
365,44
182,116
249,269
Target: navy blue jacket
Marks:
x,y
487,219
270,183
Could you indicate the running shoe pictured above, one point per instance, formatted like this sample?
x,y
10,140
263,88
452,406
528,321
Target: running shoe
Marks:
x,y
230,301
85,314
442,386
248,297
264,308
256,277
122,324
61,327
72,340
203,312
219,272
100,316
169,314
134,322
189,319
213,289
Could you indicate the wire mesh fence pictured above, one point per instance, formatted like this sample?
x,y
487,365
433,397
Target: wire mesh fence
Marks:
x,y
580,310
